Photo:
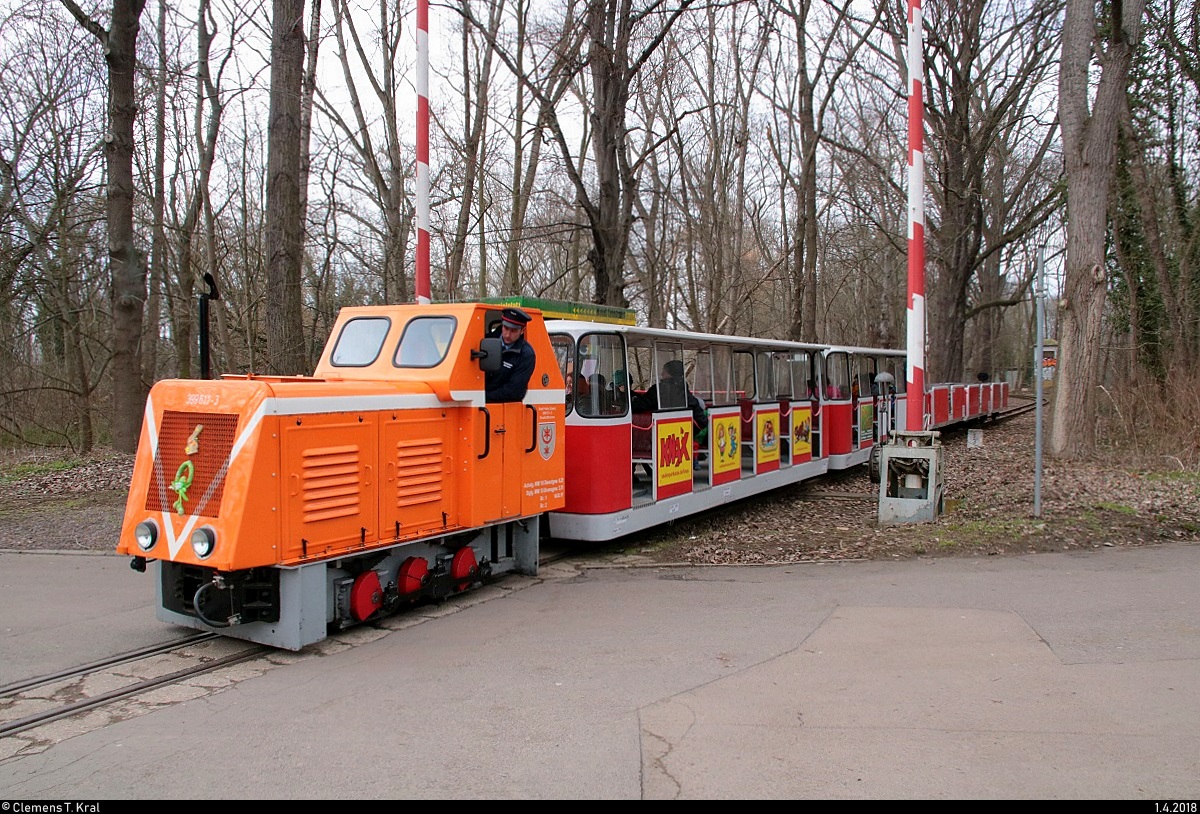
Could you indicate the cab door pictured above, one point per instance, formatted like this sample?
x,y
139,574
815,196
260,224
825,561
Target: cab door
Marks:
x,y
497,434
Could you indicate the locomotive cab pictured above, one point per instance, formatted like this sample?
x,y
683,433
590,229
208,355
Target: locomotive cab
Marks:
x,y
277,507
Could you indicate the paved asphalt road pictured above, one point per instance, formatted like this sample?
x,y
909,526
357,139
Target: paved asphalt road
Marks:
x,y
1049,676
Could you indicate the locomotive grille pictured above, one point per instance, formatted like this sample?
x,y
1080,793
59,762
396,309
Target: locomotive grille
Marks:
x,y
212,436
418,471
330,482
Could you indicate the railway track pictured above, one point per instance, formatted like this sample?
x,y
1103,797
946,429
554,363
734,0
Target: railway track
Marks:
x,y
33,702
1012,411
127,677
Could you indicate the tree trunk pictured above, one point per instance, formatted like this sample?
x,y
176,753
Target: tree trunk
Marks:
x,y
128,273
1089,147
1176,353
285,221
608,57
158,239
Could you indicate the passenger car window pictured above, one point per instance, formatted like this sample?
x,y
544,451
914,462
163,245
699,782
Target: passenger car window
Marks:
x,y
603,388
564,354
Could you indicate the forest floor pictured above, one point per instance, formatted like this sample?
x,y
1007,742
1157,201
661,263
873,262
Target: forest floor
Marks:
x,y
49,502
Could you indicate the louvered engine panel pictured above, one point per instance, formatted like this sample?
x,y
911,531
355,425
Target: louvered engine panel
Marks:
x,y
419,476
329,482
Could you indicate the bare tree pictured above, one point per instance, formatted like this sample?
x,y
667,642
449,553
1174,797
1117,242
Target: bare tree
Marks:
x,y
989,173
619,41
986,63
547,74
477,78
697,265
119,44
52,315
158,239
382,165
311,52
193,259
1103,46
527,150
800,118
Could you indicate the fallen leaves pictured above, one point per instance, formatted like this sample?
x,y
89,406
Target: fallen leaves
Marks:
x,y
992,489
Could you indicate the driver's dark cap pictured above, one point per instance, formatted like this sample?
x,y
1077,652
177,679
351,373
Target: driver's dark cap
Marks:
x,y
515,317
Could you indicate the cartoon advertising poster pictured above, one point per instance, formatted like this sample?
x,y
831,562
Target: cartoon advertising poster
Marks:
x,y
801,434
766,424
723,435
673,452
866,417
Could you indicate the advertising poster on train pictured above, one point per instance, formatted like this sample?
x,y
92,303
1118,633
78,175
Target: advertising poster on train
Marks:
x,y
767,433
801,434
866,418
673,451
723,431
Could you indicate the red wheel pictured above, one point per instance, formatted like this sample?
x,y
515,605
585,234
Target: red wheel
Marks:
x,y
366,595
464,568
412,575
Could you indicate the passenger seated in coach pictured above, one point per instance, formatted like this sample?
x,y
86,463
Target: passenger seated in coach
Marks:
x,y
594,397
576,384
619,391
675,394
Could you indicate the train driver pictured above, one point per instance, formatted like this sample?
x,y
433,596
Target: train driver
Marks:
x,y
511,381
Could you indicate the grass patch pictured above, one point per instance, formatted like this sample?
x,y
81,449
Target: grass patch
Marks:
x,y
982,533
27,469
1183,476
1090,521
1116,507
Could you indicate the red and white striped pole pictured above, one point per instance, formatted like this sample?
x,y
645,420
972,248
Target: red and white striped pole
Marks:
x,y
915,410
423,288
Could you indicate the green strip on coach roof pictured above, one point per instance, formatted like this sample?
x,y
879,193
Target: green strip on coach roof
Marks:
x,y
561,309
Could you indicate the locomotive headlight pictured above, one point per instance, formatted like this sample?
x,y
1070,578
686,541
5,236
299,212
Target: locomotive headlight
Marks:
x,y
203,541
146,534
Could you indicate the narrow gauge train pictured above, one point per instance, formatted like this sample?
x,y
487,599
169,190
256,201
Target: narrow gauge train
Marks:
x,y
278,508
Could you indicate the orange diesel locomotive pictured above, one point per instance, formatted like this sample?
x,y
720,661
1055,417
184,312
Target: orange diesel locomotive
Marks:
x,y
276,508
